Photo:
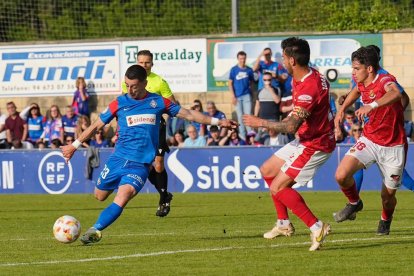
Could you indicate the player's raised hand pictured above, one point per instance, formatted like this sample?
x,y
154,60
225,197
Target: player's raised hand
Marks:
x,y
67,152
252,121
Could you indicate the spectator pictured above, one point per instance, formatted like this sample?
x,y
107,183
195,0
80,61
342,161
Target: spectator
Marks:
x,y
193,140
175,124
275,138
214,140
213,112
69,140
16,127
267,106
356,132
19,144
278,72
35,122
54,127
69,121
232,139
250,139
55,144
3,137
179,139
80,102
409,130
99,141
350,119
83,123
40,145
286,101
201,129
240,85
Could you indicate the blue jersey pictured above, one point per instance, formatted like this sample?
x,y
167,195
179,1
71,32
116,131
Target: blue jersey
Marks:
x,y
138,125
241,77
272,67
69,125
35,126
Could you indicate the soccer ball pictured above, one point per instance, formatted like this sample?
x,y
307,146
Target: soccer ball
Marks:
x,y
66,229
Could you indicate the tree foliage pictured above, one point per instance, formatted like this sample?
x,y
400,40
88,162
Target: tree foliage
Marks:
x,y
28,20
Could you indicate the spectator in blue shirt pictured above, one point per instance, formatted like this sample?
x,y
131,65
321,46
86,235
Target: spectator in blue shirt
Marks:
x,y
240,82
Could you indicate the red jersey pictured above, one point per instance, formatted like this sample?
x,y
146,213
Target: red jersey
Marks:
x,y
312,94
385,124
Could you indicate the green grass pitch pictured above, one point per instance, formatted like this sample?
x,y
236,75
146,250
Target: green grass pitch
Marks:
x,y
205,234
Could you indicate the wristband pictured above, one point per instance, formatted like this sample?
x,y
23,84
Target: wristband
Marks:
x,y
373,105
214,121
76,144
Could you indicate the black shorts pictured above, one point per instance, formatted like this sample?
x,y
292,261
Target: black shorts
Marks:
x,y
162,139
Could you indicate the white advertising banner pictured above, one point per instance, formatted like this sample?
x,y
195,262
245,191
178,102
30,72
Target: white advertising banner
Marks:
x,y
51,70
182,63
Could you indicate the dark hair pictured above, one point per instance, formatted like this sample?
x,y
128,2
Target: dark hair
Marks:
x,y
267,48
145,53
241,53
298,49
377,49
214,128
367,56
136,72
267,73
350,112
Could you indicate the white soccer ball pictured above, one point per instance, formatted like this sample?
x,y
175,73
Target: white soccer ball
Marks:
x,y
66,229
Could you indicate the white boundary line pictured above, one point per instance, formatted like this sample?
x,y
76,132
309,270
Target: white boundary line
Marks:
x,y
140,255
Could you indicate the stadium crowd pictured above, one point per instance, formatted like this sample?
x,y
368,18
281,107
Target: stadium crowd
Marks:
x,y
264,91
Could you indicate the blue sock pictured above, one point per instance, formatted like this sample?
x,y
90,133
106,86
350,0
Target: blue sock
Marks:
x,y
359,177
108,216
407,181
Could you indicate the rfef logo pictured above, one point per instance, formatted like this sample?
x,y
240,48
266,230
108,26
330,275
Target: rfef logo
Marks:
x,y
54,175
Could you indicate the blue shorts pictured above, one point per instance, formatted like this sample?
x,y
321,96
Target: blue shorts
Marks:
x,y
119,171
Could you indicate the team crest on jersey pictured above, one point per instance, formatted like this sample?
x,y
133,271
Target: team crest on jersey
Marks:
x,y
352,150
153,104
371,94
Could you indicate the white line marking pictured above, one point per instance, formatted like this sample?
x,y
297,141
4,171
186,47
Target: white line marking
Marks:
x,y
139,255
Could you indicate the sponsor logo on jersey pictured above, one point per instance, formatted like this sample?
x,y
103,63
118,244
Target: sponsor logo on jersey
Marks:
x,y
305,98
147,119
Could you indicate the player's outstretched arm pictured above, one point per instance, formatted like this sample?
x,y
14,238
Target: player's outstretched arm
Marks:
x,y
289,125
69,150
195,116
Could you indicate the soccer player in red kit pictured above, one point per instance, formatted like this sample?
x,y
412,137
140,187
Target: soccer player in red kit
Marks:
x,y
297,162
383,140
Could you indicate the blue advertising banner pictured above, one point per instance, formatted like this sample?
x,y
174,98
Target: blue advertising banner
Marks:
x,y
211,169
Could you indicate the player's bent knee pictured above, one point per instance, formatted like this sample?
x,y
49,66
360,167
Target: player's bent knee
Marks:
x,y
101,197
266,170
341,176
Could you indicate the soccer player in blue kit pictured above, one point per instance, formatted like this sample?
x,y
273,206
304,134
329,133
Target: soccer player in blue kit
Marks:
x,y
127,169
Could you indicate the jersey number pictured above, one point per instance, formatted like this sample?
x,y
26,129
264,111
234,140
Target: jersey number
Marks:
x,y
104,172
359,146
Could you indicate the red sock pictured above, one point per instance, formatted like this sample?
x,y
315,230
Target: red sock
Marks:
x,y
351,193
281,209
387,213
294,201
